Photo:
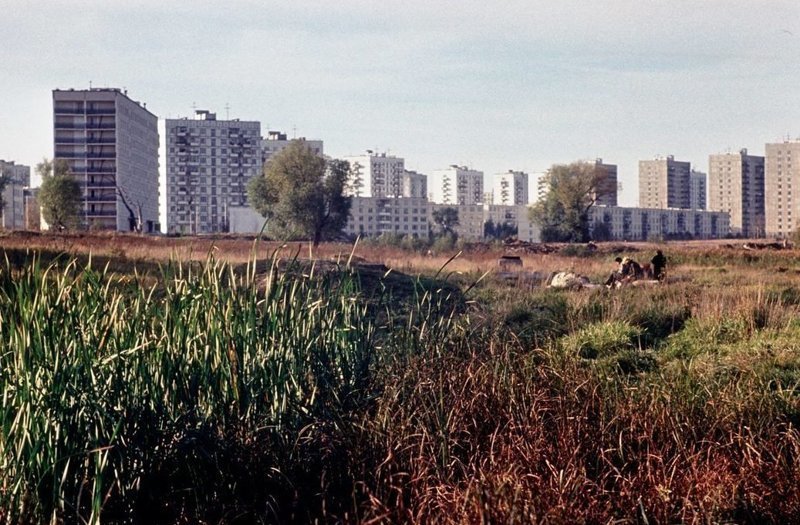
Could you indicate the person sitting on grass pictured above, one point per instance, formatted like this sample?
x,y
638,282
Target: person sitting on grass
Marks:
x,y
628,271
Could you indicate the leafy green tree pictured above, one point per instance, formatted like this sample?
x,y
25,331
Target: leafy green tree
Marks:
x,y
59,195
563,213
301,195
446,219
500,230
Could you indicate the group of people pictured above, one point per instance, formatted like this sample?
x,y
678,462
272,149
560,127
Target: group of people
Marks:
x,y
629,270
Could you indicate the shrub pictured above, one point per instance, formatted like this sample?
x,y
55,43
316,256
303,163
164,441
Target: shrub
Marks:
x,y
602,339
659,320
539,318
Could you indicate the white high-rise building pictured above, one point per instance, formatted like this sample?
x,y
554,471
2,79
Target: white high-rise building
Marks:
x,y
12,215
111,145
376,175
457,185
542,184
736,186
208,163
697,190
511,188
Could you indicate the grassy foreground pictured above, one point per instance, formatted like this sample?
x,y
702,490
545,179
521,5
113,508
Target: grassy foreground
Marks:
x,y
205,393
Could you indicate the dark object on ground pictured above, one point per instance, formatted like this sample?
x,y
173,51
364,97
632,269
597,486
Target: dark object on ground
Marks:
x,y
507,262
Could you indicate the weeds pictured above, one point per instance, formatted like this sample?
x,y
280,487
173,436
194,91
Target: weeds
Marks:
x,y
288,391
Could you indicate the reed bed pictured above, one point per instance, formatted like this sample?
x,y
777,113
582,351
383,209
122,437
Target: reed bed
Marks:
x,y
293,392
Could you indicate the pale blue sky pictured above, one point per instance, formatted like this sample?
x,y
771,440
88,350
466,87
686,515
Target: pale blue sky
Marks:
x,y
497,86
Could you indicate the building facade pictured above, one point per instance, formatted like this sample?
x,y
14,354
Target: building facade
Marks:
x,y
781,177
111,145
664,183
12,215
276,141
736,186
643,224
457,185
698,189
373,216
606,194
208,164
415,185
510,189
375,175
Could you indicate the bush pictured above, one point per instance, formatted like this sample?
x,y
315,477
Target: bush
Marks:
x,y
634,362
658,321
602,339
539,318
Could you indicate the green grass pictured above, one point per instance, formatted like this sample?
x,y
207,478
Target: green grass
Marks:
x,y
293,392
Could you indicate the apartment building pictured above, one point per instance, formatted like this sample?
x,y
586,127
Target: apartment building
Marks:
x,y
606,193
781,178
276,141
111,144
698,189
736,186
457,185
542,185
375,175
664,183
373,216
12,215
510,189
208,164
415,185
642,224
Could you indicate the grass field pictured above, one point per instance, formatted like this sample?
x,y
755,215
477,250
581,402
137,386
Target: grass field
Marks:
x,y
234,381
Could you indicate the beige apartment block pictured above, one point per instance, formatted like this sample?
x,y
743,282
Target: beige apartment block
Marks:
x,y
781,181
111,145
664,183
276,141
736,186
373,216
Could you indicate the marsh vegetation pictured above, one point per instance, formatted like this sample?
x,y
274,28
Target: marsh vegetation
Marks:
x,y
232,392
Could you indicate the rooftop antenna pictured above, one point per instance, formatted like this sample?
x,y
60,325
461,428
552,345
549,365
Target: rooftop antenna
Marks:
x,y
90,84
227,111
294,132
194,107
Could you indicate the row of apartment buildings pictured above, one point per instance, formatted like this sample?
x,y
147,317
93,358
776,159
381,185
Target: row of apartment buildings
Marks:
x,y
112,145
756,191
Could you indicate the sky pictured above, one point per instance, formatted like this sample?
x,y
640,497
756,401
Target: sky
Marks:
x,y
498,85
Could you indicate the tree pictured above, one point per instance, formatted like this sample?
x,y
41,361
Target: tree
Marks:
x,y
501,230
302,195
563,213
59,195
446,219
601,232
